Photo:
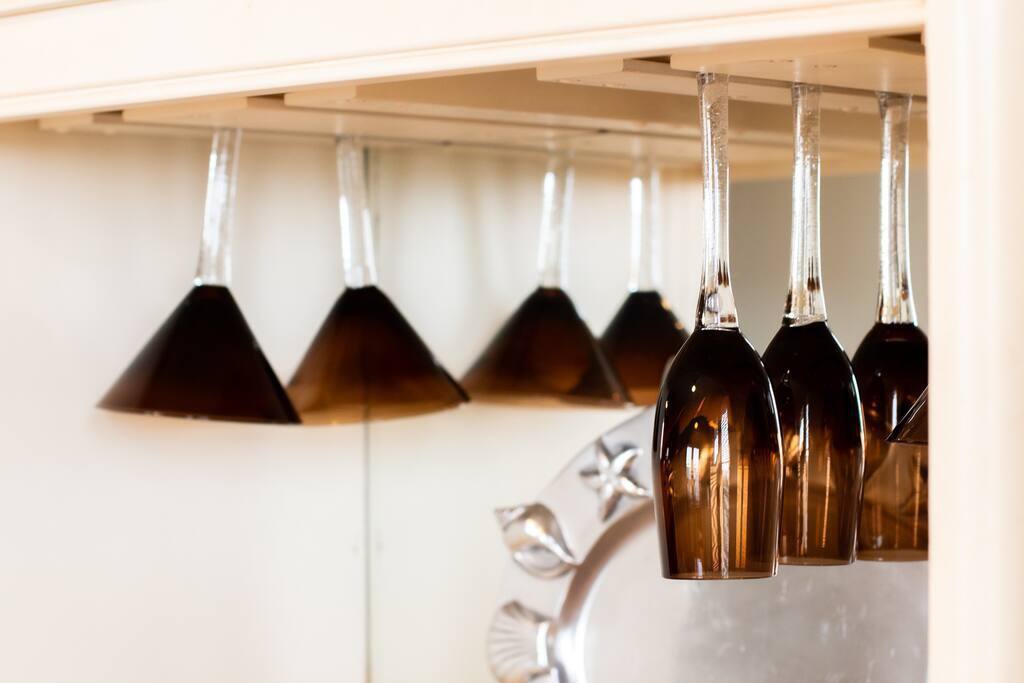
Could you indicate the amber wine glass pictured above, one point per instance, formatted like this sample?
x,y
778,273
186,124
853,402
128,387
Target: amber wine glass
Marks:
x,y
891,366
545,353
644,334
366,361
717,450
815,390
913,426
204,361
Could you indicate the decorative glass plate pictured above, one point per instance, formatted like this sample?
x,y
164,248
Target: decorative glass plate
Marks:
x,y
583,600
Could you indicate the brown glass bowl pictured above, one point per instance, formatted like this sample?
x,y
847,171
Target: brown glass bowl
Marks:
x,y
913,426
367,363
822,445
543,354
891,366
640,341
203,362
717,464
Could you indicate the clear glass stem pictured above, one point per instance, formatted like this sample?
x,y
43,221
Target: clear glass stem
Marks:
x,y
214,266
716,307
357,249
553,249
645,228
895,296
805,302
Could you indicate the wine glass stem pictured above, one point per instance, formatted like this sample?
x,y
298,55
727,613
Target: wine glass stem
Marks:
x,y
645,246
553,249
716,307
214,266
357,248
895,295
805,302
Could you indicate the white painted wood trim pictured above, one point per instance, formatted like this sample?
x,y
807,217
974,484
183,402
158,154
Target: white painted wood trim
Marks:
x,y
9,8
976,285
257,63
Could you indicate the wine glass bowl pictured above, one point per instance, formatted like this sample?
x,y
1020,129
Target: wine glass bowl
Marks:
x,y
640,341
203,362
544,353
822,445
717,464
891,365
913,426
366,362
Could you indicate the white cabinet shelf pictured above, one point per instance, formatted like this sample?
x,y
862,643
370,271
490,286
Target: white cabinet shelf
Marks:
x,y
111,54
608,108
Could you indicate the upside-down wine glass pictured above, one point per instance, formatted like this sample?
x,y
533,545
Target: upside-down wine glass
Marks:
x,y
366,361
204,361
644,334
815,390
717,452
545,352
892,369
913,426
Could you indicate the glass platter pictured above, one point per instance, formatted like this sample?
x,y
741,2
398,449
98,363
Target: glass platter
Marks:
x,y
583,600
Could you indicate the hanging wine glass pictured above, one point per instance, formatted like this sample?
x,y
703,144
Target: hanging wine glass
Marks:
x,y
891,366
913,426
545,352
204,360
644,335
717,464
815,391
366,361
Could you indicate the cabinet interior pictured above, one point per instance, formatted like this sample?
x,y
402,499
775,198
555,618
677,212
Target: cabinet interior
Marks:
x,y
608,110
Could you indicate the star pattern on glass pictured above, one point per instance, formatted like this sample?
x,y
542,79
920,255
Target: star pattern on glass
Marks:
x,y
610,477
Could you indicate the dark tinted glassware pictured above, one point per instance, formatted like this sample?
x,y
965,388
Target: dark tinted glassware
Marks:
x,y
545,353
892,368
640,341
366,361
913,427
892,371
822,445
815,391
204,361
644,334
717,465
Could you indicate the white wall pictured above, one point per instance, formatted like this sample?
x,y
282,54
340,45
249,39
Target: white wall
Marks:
x,y
143,549
135,548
